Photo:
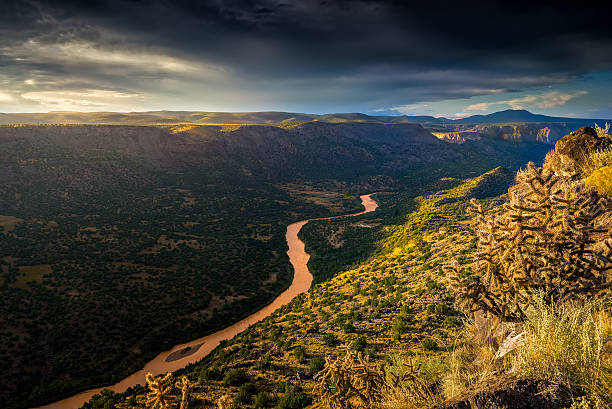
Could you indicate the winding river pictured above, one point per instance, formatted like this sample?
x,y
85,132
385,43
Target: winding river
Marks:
x,y
182,355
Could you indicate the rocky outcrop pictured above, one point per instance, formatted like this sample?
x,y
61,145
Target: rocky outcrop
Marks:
x,y
546,133
457,137
505,392
578,144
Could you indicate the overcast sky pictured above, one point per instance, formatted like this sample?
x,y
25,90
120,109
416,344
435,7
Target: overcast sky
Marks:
x,y
452,58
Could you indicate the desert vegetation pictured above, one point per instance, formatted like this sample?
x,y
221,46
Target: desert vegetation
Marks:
x,y
381,287
390,309
391,328
120,241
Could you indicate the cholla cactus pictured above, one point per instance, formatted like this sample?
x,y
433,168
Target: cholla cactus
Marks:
x,y
348,378
184,385
160,395
543,240
353,380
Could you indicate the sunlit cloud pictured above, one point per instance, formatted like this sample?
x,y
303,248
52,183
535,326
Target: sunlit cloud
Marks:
x,y
459,115
409,109
5,97
549,99
83,100
83,52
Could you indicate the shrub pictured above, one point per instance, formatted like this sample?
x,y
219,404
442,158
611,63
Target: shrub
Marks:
x,y
398,327
469,363
300,353
596,160
542,241
103,400
265,363
314,327
370,352
603,132
348,327
293,399
283,386
235,377
276,332
331,340
563,343
262,400
316,364
440,309
209,373
429,344
451,321
601,179
245,393
360,343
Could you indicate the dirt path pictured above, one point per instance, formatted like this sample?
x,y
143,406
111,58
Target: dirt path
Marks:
x,y
167,361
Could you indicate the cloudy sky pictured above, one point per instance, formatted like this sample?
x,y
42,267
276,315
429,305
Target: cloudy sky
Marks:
x,y
451,58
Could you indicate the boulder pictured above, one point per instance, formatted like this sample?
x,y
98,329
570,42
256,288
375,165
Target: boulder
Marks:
x,y
578,144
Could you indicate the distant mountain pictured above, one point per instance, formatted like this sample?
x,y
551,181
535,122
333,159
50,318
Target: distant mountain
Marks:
x,y
520,115
272,117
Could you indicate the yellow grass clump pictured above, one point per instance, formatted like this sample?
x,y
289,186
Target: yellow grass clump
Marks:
x,y
569,343
601,179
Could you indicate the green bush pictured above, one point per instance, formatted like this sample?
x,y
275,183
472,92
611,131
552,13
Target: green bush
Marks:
x,y
209,373
235,377
300,353
245,394
440,309
348,327
451,321
294,400
262,400
316,364
398,327
429,345
276,332
331,340
360,343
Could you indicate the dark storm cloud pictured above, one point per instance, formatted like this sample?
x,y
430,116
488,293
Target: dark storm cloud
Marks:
x,y
302,52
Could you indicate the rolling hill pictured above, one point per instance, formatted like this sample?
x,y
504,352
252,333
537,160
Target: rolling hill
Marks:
x,y
271,117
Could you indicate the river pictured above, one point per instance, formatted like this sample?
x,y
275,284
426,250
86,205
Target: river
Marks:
x,y
183,354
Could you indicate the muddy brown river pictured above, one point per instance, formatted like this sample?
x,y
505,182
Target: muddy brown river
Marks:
x,y
183,354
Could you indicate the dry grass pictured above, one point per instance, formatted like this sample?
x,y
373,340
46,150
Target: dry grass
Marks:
x,y
596,160
570,344
468,364
600,158
567,344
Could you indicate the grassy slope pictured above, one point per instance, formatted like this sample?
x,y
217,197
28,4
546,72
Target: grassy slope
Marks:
x,y
401,282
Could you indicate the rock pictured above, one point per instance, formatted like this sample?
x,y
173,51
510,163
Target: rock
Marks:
x,y
505,392
578,144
